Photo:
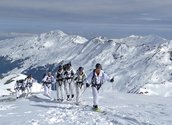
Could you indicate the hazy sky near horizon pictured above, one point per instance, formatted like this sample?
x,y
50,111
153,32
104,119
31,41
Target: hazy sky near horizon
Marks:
x,y
87,17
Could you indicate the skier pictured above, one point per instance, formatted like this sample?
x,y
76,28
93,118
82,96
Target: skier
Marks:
x,y
96,78
19,88
60,83
68,83
80,80
28,84
47,81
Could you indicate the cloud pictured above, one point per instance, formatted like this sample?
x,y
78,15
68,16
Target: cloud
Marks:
x,y
150,19
93,11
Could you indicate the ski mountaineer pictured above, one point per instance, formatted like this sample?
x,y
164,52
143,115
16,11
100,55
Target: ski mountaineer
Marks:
x,y
60,83
68,83
28,84
96,78
47,82
80,80
19,88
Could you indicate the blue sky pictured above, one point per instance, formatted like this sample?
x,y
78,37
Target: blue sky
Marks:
x,y
111,18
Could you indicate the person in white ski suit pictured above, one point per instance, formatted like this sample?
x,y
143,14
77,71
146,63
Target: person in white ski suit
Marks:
x,y
19,87
60,83
68,82
96,79
28,84
47,82
80,80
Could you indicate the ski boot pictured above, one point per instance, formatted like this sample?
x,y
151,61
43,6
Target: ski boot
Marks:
x,y
68,99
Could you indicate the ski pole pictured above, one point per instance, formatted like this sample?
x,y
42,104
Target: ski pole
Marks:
x,y
82,92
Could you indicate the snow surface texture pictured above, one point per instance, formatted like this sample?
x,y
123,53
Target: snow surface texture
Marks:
x,y
118,109
137,63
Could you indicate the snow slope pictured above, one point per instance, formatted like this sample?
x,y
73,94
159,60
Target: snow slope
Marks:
x,y
118,109
134,61
157,89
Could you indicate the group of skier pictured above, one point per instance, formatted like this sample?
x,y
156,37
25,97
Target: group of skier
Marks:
x,y
23,85
67,80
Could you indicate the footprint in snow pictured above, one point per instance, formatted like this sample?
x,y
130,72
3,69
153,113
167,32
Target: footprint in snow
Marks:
x,y
35,122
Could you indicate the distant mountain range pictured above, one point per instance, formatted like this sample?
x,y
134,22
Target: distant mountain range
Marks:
x,y
133,61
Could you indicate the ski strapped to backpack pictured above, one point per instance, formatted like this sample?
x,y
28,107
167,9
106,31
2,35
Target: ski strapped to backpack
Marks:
x,y
94,81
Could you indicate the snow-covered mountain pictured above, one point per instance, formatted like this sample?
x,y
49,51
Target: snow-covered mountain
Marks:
x,y
135,61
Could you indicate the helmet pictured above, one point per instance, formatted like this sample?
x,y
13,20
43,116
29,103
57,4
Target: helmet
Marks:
x,y
80,69
49,73
68,66
98,66
60,67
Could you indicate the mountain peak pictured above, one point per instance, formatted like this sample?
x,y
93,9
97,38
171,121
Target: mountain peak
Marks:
x,y
57,32
99,39
53,33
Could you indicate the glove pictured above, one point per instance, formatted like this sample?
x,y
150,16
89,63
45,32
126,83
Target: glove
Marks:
x,y
112,80
87,85
75,78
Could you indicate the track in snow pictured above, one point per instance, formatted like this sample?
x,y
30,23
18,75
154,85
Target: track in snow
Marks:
x,y
120,110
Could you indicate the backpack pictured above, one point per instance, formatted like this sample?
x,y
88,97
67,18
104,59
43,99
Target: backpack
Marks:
x,y
59,76
65,66
80,78
94,83
21,85
69,74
